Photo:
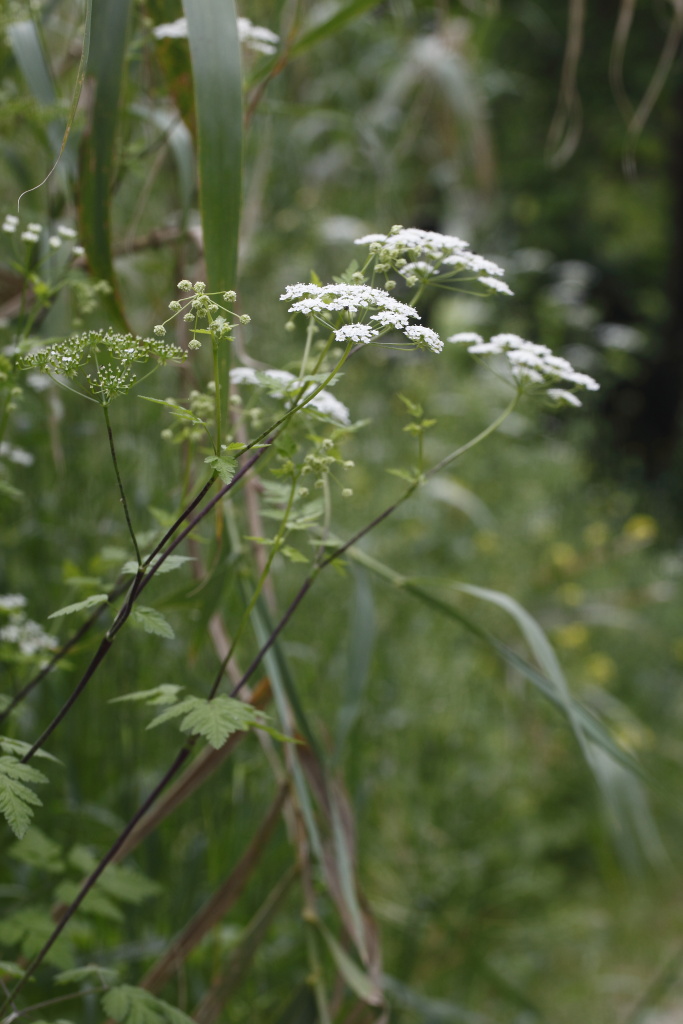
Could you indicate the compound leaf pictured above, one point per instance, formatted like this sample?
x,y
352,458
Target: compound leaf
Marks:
x,y
16,798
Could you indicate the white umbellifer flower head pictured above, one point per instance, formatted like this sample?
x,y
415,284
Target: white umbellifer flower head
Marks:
x,y
290,386
387,312
429,254
10,223
66,232
530,363
171,29
424,337
54,241
19,456
359,333
497,286
468,337
27,635
35,227
564,397
12,602
29,236
254,37
78,250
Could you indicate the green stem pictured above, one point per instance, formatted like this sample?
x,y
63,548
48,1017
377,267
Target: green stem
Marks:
x,y
217,394
448,459
120,483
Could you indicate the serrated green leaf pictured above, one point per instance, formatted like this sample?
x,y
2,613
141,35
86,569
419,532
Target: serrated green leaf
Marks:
x,y
165,693
128,1004
105,975
151,621
88,602
224,465
96,903
293,554
9,969
413,407
404,474
16,798
177,410
38,851
18,748
9,491
215,719
168,565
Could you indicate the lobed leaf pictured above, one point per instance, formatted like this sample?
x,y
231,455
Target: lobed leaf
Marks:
x,y
151,621
80,606
224,465
16,797
215,719
128,1004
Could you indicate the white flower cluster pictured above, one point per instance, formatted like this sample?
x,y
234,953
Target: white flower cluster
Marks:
x,y
324,403
253,37
19,456
352,298
421,255
21,631
33,231
530,363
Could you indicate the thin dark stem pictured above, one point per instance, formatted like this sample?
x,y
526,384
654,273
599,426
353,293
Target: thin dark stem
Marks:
x,y
201,515
111,596
99,656
305,587
138,586
181,519
103,864
112,449
55,1001
63,650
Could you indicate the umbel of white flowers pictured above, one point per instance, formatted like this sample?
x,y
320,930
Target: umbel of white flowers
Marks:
x,y
530,364
365,314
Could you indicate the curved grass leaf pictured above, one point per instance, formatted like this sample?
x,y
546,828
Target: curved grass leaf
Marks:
x,y
354,976
617,774
179,140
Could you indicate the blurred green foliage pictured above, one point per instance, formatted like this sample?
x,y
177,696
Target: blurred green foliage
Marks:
x,y
505,888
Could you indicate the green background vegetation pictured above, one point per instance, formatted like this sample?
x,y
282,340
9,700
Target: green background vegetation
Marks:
x,y
505,886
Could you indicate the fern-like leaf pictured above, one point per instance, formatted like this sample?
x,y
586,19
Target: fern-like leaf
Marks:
x,y
215,719
16,798
130,1005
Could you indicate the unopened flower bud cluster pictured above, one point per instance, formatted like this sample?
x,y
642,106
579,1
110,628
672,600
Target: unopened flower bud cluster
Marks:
x,y
202,306
108,379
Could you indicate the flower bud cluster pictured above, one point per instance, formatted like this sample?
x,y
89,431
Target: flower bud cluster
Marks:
x,y
202,306
113,355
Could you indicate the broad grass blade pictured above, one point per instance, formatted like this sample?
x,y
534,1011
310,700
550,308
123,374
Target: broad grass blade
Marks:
x,y
360,647
215,53
179,141
105,72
